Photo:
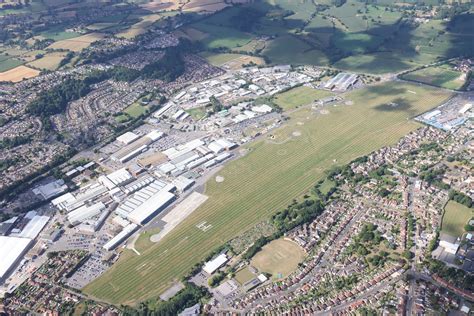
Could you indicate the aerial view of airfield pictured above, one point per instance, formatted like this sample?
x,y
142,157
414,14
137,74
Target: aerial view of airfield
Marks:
x,y
236,157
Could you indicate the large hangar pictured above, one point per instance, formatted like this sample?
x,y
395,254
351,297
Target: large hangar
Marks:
x,y
12,250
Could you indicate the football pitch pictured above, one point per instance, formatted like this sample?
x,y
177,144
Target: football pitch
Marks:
x,y
272,173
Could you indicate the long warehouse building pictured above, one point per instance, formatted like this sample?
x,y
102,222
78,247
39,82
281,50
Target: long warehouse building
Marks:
x,y
120,237
12,250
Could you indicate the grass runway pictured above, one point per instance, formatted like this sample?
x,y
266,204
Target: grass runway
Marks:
x,y
266,180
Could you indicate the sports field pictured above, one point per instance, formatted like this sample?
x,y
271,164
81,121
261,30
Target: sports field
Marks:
x,y
267,179
279,258
455,217
299,96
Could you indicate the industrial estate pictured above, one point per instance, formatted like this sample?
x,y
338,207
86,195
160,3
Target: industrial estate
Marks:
x,y
236,157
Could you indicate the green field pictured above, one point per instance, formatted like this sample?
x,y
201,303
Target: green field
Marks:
x,y
299,96
219,59
197,113
455,217
438,76
267,179
8,62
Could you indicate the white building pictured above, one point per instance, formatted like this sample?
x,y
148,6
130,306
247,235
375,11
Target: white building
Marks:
x,y
12,250
211,266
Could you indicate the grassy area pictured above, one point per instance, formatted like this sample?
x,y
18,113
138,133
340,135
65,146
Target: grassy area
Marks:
x,y
267,179
279,258
326,186
50,61
219,59
438,76
290,49
299,96
8,62
244,275
197,113
136,109
143,242
455,217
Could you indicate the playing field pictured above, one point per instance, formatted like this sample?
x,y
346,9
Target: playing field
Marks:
x,y
279,258
299,96
455,217
438,76
274,172
18,74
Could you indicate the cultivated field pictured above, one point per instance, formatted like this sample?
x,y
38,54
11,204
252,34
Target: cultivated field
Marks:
x,y
18,74
50,61
232,61
438,76
279,258
299,96
455,217
267,179
78,43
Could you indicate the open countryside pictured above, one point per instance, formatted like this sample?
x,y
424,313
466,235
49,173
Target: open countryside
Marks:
x,y
266,179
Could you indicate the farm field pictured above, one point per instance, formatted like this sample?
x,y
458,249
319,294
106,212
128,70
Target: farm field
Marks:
x,y
266,179
289,49
18,74
279,258
8,62
78,43
232,61
299,96
438,76
455,217
50,61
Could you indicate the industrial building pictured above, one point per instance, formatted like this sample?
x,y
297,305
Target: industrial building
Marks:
x,y
127,138
136,147
34,226
147,202
211,266
341,82
51,189
120,237
85,212
12,250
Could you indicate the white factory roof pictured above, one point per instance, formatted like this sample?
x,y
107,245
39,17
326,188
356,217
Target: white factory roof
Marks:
x,y
183,183
114,242
11,250
127,138
51,189
262,108
120,176
154,204
215,147
465,108
34,227
85,212
155,135
449,247
175,152
211,266
62,200
165,108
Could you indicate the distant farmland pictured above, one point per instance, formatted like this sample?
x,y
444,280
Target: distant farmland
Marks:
x,y
266,180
